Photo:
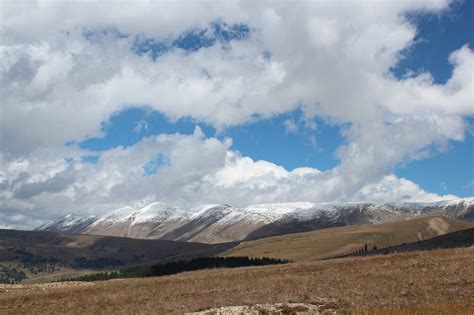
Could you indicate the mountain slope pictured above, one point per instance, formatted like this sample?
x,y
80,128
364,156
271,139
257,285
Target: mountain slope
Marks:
x,y
49,252
344,240
224,223
462,238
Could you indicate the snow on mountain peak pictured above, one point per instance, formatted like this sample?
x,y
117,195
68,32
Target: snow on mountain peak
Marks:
x,y
278,208
468,201
123,214
65,222
206,209
156,212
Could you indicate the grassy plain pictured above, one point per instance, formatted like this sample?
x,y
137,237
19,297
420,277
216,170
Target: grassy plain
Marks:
x,y
429,282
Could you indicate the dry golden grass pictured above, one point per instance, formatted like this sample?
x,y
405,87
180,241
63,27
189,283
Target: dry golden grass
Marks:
x,y
461,306
409,283
333,242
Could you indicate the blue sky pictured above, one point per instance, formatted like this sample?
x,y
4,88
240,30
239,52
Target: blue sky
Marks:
x,y
264,139
437,37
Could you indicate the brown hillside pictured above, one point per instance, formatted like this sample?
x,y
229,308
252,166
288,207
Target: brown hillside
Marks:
x,y
343,240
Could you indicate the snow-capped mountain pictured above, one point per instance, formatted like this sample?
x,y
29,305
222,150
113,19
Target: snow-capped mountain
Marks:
x,y
224,223
69,223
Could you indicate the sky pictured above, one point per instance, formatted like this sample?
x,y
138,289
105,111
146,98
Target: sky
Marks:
x,y
112,104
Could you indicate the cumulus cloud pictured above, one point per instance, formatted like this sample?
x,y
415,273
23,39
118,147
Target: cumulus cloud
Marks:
x,y
332,60
197,170
52,68
392,188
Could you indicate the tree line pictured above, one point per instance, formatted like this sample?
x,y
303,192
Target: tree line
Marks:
x,y
364,249
180,266
10,275
98,263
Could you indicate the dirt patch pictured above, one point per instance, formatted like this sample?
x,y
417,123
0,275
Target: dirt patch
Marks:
x,y
438,225
274,309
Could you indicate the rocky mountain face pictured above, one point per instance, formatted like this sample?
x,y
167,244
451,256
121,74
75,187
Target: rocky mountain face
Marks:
x,y
224,223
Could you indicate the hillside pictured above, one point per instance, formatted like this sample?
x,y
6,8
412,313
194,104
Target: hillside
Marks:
x,y
430,282
462,238
42,254
224,223
343,240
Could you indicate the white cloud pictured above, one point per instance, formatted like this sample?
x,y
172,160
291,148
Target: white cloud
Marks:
x,y
140,126
290,126
392,188
333,60
198,170
52,74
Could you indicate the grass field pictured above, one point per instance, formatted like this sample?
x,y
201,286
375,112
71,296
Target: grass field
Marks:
x,y
431,282
343,240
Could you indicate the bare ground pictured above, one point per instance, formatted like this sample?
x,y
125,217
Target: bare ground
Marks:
x,y
434,282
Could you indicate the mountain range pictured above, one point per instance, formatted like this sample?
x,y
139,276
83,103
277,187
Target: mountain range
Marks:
x,y
224,223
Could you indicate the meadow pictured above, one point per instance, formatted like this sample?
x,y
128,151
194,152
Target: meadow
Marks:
x,y
428,282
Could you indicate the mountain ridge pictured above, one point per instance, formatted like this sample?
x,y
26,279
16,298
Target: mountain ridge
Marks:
x,y
223,223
